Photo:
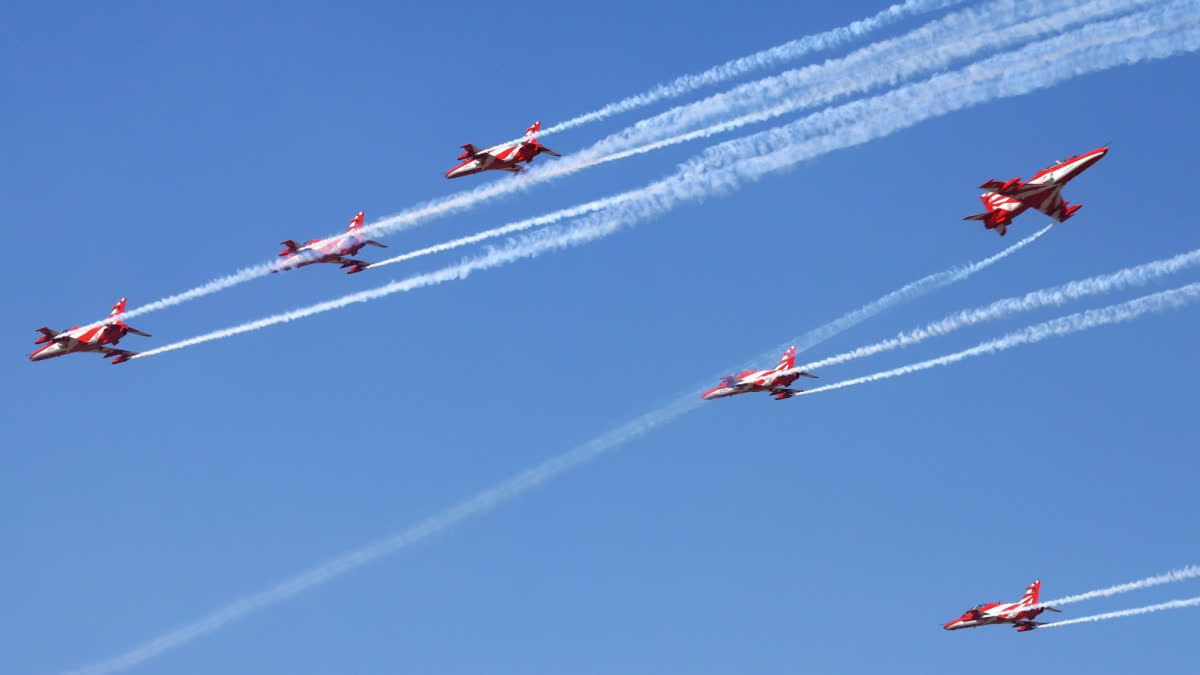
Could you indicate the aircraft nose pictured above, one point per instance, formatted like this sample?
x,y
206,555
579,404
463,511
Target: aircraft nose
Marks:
x,y
953,625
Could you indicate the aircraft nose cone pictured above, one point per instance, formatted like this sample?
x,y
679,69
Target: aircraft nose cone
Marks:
x,y
953,625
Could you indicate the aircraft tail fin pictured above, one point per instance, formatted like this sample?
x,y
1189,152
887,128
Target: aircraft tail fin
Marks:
x,y
1031,593
531,132
356,222
114,318
788,360
469,151
999,214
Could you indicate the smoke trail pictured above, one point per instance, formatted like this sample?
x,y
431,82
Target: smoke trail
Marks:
x,y
765,59
927,49
1189,572
1056,296
538,243
917,41
885,62
1173,604
1065,325
694,181
1034,67
523,481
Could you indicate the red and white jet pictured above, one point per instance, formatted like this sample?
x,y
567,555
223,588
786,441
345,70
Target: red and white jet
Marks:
x,y
774,381
332,250
1007,200
999,612
88,339
501,157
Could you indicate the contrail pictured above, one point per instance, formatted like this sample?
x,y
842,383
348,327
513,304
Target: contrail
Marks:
x,y
1065,325
1189,572
511,488
1031,68
764,59
1173,604
536,244
695,181
1057,296
921,53
925,49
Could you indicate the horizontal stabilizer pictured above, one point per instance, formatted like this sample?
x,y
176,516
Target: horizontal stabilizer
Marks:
x,y
1003,188
375,243
977,216
548,151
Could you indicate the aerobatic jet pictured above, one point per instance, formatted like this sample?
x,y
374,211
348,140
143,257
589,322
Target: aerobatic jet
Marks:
x,y
501,157
333,250
775,381
999,612
1006,200
88,339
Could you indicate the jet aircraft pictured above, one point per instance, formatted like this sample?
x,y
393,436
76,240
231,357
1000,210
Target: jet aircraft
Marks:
x,y
1014,613
774,381
88,339
1006,200
501,157
333,250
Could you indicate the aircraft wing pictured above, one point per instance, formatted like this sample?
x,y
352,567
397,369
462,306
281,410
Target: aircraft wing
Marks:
x,y
121,354
1052,205
354,265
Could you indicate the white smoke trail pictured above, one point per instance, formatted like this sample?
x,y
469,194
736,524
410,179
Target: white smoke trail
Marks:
x,y
241,276
1174,576
925,49
1032,68
1057,296
1172,604
536,244
492,497
695,181
1065,325
765,59
921,52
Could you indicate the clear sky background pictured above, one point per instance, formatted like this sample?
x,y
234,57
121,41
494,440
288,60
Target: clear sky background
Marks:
x,y
150,147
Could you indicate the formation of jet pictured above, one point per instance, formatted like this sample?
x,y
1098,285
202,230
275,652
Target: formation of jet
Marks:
x,y
333,250
94,339
1015,613
501,157
1006,200
774,381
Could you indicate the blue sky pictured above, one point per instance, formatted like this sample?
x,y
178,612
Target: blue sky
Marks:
x,y
152,148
